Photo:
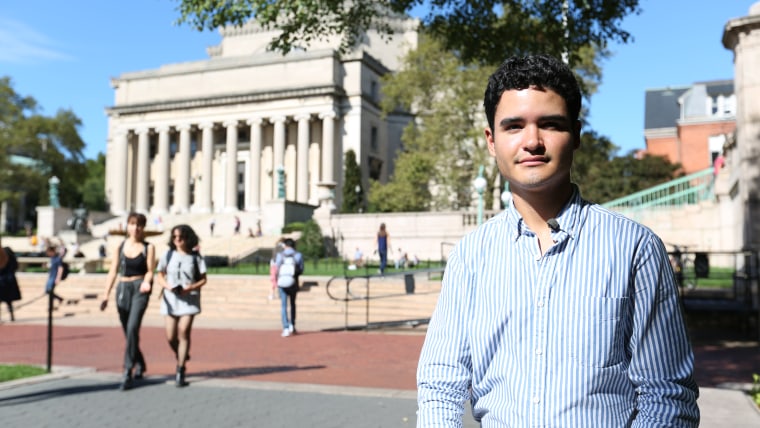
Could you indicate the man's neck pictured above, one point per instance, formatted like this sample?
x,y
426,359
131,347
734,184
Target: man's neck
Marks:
x,y
537,207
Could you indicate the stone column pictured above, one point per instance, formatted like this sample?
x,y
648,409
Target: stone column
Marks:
x,y
205,204
742,36
161,181
182,181
279,146
302,159
254,167
119,176
142,191
230,199
328,147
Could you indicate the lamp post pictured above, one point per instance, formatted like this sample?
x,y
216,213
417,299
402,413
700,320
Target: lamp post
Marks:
x,y
480,184
358,190
53,190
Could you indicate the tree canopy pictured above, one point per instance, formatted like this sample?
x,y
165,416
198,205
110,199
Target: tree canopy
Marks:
x,y
483,31
34,148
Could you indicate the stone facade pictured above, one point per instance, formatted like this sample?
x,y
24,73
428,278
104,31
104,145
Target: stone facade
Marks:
x,y
742,36
248,127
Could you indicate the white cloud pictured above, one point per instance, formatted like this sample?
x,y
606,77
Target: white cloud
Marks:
x,y
20,43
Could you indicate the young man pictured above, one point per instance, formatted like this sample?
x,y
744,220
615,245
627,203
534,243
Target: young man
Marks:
x,y
289,268
55,272
556,312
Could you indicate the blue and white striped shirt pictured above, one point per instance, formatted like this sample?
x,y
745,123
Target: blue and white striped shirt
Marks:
x,y
588,335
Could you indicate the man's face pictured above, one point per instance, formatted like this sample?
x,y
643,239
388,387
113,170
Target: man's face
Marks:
x,y
533,139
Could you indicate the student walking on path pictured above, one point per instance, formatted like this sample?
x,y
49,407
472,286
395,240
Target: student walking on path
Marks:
x,y
134,264
55,273
383,244
9,290
289,268
181,273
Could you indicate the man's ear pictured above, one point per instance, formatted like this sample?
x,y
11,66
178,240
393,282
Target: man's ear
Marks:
x,y
489,141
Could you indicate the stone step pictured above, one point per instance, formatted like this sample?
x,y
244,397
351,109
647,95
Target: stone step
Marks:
x,y
236,301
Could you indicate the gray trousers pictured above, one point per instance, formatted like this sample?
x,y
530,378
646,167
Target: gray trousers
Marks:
x,y
131,305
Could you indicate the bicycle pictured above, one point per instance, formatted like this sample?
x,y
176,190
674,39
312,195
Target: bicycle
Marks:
x,y
683,267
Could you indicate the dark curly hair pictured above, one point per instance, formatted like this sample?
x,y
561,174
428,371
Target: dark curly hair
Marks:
x,y
188,236
542,71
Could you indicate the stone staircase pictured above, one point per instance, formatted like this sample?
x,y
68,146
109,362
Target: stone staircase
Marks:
x,y
236,301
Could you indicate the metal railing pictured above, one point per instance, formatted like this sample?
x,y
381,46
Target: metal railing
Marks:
x,y
357,288
687,190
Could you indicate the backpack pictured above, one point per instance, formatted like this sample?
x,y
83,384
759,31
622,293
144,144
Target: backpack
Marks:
x,y
196,268
286,274
66,269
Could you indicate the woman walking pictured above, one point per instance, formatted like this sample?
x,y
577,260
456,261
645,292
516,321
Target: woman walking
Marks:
x,y
181,273
383,244
9,290
134,264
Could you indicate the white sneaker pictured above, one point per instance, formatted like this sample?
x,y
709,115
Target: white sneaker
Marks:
x,y
285,332
291,329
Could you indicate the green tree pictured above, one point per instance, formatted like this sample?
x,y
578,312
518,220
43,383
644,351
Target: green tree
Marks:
x,y
34,148
408,190
311,244
484,31
92,188
603,176
353,201
447,136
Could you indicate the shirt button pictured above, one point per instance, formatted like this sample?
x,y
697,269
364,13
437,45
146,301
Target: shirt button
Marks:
x,y
540,303
536,400
539,351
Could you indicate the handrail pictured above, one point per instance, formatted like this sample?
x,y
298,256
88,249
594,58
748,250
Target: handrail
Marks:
x,y
355,294
686,190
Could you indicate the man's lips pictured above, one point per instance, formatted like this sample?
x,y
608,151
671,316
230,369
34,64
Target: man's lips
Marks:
x,y
533,160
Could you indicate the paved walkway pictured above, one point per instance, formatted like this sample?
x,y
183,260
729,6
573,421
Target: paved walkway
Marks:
x,y
257,378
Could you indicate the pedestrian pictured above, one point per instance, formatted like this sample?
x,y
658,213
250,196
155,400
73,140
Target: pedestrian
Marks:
x,y
555,312
181,273
289,268
358,258
134,264
237,225
55,273
383,244
9,289
211,225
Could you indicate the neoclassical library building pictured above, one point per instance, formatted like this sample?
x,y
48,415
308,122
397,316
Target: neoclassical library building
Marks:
x,y
247,127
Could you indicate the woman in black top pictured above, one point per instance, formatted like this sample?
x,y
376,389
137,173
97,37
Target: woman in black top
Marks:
x,y
135,261
9,290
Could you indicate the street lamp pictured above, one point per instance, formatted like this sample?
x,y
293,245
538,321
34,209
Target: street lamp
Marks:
x,y
54,182
480,184
358,190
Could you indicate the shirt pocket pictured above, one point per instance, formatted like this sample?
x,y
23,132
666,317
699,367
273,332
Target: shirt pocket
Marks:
x,y
597,331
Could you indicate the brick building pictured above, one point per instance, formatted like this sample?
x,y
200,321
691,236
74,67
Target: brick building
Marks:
x,y
690,124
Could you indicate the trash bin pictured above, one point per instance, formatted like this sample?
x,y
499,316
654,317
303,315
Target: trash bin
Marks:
x,y
409,283
701,265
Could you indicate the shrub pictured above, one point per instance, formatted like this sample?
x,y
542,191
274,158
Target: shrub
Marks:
x,y
311,243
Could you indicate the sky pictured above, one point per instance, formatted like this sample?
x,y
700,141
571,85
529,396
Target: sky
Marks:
x,y
64,54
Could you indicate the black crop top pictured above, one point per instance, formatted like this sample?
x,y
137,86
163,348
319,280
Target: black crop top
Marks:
x,y
136,266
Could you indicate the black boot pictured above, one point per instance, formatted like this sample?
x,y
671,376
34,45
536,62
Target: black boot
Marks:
x,y
126,382
181,377
140,370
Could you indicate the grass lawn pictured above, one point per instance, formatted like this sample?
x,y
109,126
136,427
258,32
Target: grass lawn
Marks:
x,y
19,371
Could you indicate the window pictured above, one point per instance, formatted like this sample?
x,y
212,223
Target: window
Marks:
x,y
373,143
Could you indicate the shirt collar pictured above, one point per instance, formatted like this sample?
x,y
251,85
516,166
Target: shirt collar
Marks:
x,y
568,218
